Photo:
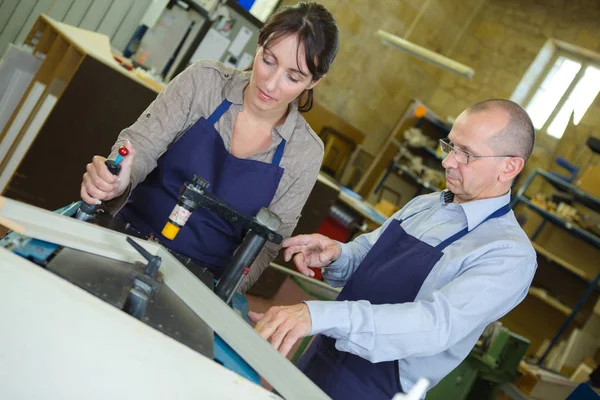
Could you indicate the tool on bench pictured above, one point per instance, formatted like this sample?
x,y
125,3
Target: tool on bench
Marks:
x,y
87,211
144,284
261,228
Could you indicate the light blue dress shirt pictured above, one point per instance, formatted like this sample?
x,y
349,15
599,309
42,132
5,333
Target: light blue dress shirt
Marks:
x,y
480,278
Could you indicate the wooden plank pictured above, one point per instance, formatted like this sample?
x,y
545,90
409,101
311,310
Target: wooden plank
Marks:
x,y
48,68
113,18
563,263
60,8
535,321
76,12
45,43
69,63
551,301
36,33
41,7
95,14
15,22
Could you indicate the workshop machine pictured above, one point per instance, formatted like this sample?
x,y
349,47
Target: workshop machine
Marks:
x,y
492,362
92,312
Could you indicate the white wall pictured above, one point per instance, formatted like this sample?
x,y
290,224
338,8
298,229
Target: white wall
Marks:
x,y
117,19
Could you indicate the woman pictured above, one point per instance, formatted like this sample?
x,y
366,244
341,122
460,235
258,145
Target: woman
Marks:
x,y
241,131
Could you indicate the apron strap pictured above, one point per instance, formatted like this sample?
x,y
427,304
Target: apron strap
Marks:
x,y
221,109
278,153
498,213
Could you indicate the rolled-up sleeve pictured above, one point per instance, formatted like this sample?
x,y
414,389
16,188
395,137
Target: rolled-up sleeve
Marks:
x,y
165,119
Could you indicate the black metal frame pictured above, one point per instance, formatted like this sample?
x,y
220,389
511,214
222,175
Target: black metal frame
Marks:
x,y
585,199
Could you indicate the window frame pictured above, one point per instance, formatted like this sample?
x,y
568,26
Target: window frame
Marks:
x,y
559,49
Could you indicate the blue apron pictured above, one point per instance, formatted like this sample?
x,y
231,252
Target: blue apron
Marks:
x,y
245,184
392,272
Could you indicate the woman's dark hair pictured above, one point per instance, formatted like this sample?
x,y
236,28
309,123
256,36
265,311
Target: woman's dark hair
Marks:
x,y
316,30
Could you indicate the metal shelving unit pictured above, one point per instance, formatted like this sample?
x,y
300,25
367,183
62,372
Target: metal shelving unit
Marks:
x,y
441,130
578,196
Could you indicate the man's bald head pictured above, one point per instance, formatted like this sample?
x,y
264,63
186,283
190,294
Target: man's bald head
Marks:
x,y
518,136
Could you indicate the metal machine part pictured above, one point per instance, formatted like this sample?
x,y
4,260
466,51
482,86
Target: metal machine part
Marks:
x,y
261,228
492,362
245,255
194,194
116,283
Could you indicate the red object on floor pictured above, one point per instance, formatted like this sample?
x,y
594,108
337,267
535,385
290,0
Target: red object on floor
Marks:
x,y
333,230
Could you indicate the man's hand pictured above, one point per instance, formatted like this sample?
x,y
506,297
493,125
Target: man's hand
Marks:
x,y
311,251
283,326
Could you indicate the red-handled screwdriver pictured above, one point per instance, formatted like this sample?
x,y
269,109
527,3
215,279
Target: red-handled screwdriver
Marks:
x,y
87,211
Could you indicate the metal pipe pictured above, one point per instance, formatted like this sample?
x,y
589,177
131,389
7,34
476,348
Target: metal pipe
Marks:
x,y
243,257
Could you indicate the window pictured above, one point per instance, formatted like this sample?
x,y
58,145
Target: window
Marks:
x,y
568,84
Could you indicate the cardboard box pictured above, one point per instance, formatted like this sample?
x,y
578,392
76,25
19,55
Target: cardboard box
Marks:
x,y
540,384
386,208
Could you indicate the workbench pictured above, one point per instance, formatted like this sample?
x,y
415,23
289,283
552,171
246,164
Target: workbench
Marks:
x,y
372,218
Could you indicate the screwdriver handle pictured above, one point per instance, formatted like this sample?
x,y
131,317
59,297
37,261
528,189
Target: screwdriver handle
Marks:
x,y
87,211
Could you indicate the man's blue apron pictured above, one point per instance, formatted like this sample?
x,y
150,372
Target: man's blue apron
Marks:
x,y
392,272
244,184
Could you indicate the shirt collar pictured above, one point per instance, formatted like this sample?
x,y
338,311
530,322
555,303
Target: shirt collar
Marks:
x,y
234,92
478,210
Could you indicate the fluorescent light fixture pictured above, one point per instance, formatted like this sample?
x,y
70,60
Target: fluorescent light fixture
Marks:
x,y
427,55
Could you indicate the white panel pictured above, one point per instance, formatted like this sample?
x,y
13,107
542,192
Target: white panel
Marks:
x,y
66,344
41,7
15,127
11,96
17,69
114,17
77,12
95,14
130,24
60,8
14,24
30,133
237,333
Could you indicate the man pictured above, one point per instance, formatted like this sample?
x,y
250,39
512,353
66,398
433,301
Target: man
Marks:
x,y
419,291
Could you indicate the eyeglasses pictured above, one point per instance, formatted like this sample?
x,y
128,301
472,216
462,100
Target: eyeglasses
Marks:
x,y
461,156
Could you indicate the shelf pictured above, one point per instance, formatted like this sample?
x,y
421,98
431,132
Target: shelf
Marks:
x,y
557,260
436,123
405,171
582,197
585,199
551,301
431,152
582,233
